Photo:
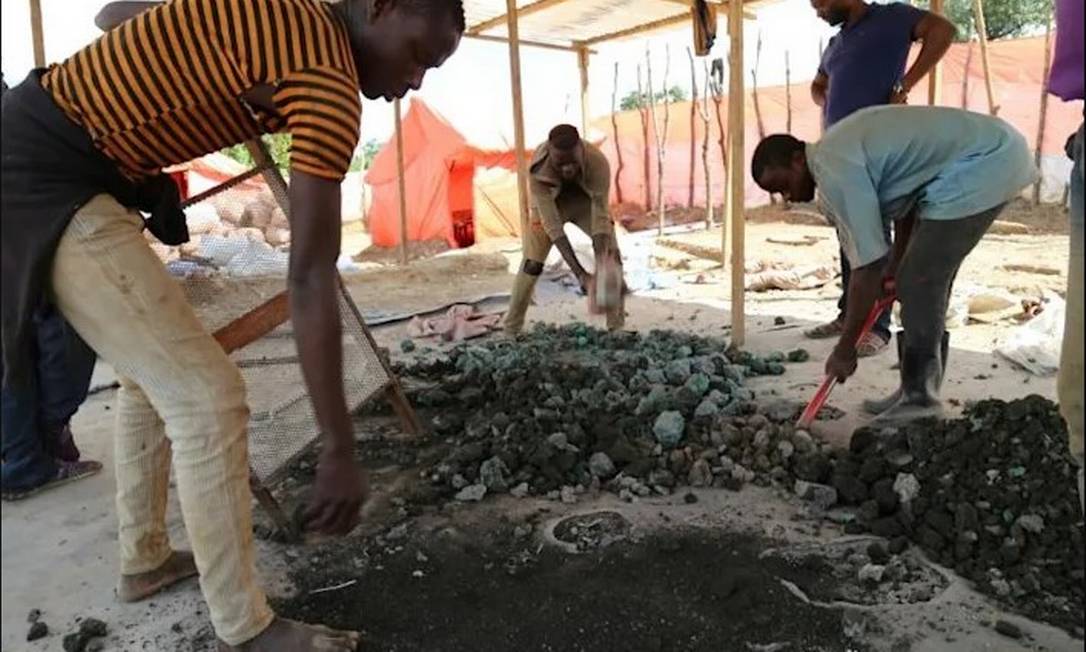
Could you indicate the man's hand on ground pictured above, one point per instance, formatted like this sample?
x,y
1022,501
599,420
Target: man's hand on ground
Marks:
x,y
338,494
842,362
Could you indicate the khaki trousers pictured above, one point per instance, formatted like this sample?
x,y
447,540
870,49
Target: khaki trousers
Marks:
x,y
537,245
1069,382
180,397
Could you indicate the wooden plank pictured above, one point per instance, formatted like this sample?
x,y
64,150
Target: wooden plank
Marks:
x,y
653,26
582,66
254,324
982,34
530,44
935,77
401,182
526,10
36,34
737,170
518,112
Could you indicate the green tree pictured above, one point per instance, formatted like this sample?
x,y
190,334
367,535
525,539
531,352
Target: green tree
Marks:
x,y
1003,18
364,159
634,101
278,146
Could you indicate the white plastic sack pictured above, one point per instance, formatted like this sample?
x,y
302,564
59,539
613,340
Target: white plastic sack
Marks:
x,y
201,218
1035,345
239,256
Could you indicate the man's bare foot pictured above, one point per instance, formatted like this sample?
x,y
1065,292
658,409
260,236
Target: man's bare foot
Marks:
x,y
178,566
285,635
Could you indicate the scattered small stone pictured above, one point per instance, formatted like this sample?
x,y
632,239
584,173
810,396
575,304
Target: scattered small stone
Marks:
x,y
1008,629
878,553
778,321
799,355
95,645
898,545
669,428
601,466
871,573
519,491
690,498
93,627
472,493
75,642
407,345
38,629
568,495
34,615
822,496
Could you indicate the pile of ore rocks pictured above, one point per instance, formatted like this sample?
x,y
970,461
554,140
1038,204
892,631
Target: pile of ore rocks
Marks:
x,y
992,495
567,408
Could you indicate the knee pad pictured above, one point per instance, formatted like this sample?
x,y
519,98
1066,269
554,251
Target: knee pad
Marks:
x,y
532,267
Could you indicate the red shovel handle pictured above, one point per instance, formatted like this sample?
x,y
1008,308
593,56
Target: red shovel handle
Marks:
x,y
828,383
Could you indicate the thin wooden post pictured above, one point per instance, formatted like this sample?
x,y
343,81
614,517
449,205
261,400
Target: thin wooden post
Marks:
x,y
582,66
518,111
982,35
36,34
618,145
935,77
788,91
1044,108
736,169
401,181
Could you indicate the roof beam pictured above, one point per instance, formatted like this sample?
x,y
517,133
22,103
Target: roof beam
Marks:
x,y
533,44
527,10
655,25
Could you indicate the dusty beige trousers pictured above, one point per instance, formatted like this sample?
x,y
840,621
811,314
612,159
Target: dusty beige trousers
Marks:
x,y
536,247
179,391
1069,384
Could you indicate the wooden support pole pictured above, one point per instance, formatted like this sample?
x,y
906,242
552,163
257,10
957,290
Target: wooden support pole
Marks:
x,y
935,77
982,35
400,180
736,171
582,65
36,34
1044,109
518,111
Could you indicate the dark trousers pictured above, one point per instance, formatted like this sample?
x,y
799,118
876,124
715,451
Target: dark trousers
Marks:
x,y
925,280
882,326
45,404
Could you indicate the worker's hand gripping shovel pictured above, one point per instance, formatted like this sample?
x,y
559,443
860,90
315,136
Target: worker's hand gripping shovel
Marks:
x,y
823,393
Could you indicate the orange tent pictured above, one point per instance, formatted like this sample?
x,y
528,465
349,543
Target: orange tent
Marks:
x,y
439,171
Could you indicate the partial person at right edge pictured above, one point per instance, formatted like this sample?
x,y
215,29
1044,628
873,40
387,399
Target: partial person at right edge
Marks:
x,y
1067,82
864,66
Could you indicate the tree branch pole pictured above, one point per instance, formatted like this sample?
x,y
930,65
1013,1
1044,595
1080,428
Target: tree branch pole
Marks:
x,y
401,181
736,122
518,111
693,129
36,34
982,35
935,77
1044,108
703,110
643,113
618,146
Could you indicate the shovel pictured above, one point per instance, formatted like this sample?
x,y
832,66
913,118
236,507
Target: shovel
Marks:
x,y
829,382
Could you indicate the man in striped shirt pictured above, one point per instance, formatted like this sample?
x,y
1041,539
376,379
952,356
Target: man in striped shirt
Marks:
x,y
84,145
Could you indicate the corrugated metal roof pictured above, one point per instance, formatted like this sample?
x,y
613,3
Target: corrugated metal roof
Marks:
x,y
568,22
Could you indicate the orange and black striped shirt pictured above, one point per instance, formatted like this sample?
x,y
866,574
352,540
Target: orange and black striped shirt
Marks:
x,y
165,87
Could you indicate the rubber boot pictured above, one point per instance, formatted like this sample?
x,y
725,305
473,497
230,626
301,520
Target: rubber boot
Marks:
x,y
523,288
878,406
921,378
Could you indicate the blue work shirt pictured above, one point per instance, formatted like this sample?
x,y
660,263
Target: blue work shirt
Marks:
x,y
881,163
864,62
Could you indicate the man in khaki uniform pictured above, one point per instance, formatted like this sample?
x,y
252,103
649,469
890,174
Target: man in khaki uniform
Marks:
x,y
570,182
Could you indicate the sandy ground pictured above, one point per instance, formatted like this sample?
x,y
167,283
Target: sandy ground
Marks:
x,y
59,548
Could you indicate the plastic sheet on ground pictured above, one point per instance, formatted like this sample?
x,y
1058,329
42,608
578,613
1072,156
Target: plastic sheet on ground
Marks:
x,y
460,322
1035,346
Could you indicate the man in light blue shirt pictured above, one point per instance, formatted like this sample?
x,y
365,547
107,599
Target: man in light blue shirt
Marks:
x,y
942,176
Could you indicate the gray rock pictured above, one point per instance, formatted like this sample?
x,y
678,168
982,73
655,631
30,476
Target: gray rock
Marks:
x,y
472,493
458,481
493,473
821,495
677,371
701,474
698,384
1032,523
519,491
601,466
786,449
907,487
669,428
706,409
871,573
568,495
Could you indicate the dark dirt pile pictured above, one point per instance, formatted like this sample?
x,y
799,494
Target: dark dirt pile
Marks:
x,y
496,589
992,495
565,409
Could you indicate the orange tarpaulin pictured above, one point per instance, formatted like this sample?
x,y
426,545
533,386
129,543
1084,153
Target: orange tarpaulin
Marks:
x,y
439,170
1016,77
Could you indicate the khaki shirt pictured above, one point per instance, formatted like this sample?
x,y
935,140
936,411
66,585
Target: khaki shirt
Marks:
x,y
595,181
